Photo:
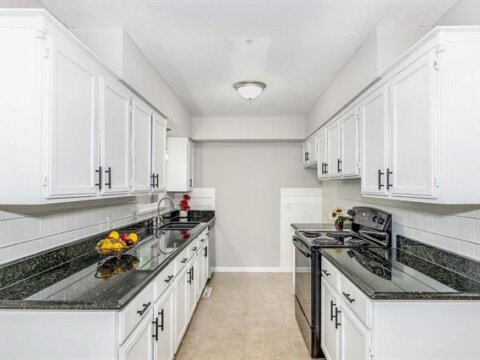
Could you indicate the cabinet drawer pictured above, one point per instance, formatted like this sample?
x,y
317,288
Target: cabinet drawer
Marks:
x,y
355,300
203,237
135,312
193,247
164,279
181,260
330,273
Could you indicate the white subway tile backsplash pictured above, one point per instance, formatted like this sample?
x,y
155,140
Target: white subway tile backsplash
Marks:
x,y
3,233
47,225
467,228
31,232
466,248
33,229
438,224
15,230
452,226
16,251
33,247
69,221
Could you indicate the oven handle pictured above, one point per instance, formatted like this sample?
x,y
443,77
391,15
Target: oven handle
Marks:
x,y
296,243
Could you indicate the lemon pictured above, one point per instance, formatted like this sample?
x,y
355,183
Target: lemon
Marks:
x,y
133,237
106,244
114,235
118,246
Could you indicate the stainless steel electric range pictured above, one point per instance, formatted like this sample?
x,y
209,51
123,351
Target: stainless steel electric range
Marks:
x,y
370,228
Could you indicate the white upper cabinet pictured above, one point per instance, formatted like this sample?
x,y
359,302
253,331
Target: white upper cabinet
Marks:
x,y
115,102
337,150
72,133
374,142
191,165
159,143
412,165
309,151
180,164
322,154
73,162
349,165
399,133
334,163
141,146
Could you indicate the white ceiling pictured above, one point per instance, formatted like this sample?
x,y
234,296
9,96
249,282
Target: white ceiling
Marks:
x,y
200,47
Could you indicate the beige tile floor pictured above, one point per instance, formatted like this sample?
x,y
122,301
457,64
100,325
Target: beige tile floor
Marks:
x,y
248,316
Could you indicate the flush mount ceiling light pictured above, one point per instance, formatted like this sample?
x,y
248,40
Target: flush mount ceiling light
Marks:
x,y
249,90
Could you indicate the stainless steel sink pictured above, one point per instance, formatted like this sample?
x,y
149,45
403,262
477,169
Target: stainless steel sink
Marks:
x,y
179,226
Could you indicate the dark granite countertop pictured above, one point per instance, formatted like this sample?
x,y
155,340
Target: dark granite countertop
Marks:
x,y
412,271
69,278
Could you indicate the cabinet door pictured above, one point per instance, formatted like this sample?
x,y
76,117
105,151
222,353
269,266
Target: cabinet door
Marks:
x,y
141,147
205,262
349,143
138,346
163,345
306,151
355,338
181,304
322,154
330,336
374,141
192,287
200,275
73,127
412,129
334,150
191,165
159,143
115,135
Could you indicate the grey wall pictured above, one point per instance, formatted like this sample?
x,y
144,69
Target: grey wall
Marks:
x,y
247,178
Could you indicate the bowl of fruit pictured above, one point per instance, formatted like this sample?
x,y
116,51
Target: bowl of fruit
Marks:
x,y
116,243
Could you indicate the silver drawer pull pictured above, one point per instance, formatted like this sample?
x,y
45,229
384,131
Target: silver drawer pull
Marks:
x,y
347,296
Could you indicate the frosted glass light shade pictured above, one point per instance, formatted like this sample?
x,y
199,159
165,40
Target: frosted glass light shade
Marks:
x,y
249,90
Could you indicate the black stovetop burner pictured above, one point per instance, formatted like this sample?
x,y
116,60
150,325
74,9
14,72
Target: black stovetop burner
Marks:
x,y
369,228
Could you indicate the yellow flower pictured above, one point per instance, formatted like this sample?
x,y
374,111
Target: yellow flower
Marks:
x,y
335,213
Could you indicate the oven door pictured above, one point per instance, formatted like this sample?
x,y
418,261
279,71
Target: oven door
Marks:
x,y
303,277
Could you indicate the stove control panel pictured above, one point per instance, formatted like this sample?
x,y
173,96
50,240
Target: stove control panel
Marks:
x,y
371,217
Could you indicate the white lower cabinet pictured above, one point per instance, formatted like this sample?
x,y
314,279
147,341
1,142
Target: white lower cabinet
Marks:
x,y
355,327
204,262
192,286
139,344
330,336
343,335
355,337
164,326
181,304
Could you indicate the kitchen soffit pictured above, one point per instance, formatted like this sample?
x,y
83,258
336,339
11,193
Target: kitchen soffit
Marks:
x,y
201,48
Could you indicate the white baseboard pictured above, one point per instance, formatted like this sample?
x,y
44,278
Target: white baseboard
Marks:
x,y
254,269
